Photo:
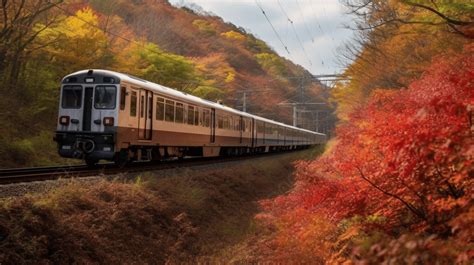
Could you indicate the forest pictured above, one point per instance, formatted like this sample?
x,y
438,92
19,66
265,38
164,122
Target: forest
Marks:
x,y
395,186
42,41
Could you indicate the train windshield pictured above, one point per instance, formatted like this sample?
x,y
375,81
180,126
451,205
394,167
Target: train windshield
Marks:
x,y
72,97
105,97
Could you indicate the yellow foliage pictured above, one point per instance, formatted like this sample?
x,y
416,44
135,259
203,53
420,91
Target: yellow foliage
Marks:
x,y
230,77
215,69
233,35
271,63
77,43
204,26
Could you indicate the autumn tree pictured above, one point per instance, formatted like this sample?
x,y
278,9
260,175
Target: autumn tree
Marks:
x,y
76,42
148,61
401,165
394,44
19,31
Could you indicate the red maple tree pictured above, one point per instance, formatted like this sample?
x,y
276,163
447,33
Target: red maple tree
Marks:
x,y
405,159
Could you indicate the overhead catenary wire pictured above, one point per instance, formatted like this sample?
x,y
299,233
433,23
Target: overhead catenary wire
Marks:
x,y
306,25
322,4
316,17
271,25
296,33
304,21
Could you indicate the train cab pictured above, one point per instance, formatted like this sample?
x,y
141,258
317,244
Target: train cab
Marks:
x,y
88,116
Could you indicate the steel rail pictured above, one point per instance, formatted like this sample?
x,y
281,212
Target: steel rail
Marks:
x,y
19,175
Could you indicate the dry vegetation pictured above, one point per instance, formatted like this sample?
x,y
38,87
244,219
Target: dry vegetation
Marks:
x,y
181,216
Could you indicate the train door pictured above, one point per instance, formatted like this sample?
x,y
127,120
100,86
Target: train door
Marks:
x,y
253,130
149,117
213,125
87,114
145,113
241,128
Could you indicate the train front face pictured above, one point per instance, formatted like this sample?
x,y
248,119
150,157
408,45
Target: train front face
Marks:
x,y
88,116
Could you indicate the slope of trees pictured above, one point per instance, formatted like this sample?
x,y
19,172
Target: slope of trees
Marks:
x,y
44,40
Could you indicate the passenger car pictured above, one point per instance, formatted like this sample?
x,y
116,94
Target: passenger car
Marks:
x,y
114,116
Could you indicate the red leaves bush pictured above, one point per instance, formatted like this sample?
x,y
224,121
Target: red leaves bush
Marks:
x,y
402,164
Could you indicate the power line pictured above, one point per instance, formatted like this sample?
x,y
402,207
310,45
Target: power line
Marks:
x,y
316,17
304,21
296,33
273,28
307,28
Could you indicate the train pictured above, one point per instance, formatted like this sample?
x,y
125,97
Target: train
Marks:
x,y
107,115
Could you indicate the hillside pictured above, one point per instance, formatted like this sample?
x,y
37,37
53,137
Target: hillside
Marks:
x,y
196,53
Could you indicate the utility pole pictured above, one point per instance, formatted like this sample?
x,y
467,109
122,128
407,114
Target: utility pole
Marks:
x,y
294,115
244,102
295,110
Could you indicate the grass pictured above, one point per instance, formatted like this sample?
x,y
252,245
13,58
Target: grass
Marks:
x,y
177,216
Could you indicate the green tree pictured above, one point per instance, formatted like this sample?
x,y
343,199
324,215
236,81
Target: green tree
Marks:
x,y
272,63
208,92
148,61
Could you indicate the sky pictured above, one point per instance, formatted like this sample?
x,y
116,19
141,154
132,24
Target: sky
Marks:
x,y
319,27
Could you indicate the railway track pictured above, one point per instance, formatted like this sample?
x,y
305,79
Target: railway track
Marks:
x,y
17,175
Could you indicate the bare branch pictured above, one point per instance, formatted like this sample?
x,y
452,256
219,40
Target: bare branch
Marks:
x,y
411,207
443,16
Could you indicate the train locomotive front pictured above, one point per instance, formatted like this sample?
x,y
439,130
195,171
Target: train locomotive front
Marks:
x,y
88,115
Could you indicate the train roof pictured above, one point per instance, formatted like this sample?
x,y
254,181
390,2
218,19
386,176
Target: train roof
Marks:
x,y
174,93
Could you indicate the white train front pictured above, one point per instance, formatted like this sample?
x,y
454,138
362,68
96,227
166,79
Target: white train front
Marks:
x,y
118,117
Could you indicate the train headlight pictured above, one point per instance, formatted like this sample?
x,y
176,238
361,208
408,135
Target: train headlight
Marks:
x,y
64,120
109,121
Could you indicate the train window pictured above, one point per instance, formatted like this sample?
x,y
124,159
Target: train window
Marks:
x,y
169,111
123,96
104,97
196,116
133,104
220,122
190,115
179,118
226,122
160,109
206,119
235,124
142,106
72,97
